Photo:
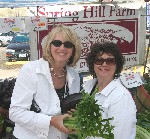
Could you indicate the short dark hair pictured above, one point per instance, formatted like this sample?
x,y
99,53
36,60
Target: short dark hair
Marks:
x,y
108,48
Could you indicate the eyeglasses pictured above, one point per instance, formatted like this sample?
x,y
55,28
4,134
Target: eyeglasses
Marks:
x,y
58,43
109,61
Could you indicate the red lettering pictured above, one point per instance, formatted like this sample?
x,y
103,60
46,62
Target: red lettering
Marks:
x,y
88,11
41,10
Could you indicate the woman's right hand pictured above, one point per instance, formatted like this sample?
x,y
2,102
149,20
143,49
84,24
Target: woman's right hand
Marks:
x,y
57,122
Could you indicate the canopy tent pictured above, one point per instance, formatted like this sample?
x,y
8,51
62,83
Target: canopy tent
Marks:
x,y
33,3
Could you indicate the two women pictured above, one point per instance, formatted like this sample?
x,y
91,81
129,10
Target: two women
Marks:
x,y
48,80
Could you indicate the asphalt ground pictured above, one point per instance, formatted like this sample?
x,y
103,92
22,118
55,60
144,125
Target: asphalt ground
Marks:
x,y
9,69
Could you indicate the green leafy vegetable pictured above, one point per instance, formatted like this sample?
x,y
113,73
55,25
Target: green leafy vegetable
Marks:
x,y
143,119
87,119
142,133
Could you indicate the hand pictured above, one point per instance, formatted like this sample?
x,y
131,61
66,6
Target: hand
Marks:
x,y
57,122
73,132
71,111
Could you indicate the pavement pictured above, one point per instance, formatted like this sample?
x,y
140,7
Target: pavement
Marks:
x,y
11,69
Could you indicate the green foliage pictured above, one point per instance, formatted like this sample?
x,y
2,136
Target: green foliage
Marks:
x,y
143,119
147,86
1,120
142,133
147,82
3,126
9,129
87,119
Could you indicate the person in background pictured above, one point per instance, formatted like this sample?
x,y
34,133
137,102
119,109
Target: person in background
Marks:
x,y
105,62
42,84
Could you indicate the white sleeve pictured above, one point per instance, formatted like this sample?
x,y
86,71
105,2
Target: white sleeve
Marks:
x,y
19,112
124,113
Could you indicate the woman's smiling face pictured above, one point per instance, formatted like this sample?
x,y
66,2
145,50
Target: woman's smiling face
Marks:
x,y
106,69
61,54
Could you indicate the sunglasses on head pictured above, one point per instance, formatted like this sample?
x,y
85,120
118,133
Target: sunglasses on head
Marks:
x,y
58,43
109,61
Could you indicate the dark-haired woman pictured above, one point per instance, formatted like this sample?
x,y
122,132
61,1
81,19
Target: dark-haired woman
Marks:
x,y
105,62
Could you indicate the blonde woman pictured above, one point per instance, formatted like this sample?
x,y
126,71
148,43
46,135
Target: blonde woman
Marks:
x,y
46,81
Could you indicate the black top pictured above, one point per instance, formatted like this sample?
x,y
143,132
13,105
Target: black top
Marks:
x,y
63,92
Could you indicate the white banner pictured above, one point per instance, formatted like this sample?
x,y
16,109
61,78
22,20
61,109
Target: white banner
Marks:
x,y
35,23
11,24
100,23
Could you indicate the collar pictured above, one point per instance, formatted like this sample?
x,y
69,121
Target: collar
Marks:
x,y
70,75
43,68
109,88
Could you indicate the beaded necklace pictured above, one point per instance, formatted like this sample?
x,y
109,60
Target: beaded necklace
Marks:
x,y
55,74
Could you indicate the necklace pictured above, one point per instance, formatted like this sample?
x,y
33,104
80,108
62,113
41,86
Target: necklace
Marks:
x,y
59,76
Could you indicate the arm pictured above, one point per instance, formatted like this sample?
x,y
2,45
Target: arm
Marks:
x,y
124,113
19,112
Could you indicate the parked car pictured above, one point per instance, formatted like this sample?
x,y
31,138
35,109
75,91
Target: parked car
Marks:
x,y
18,49
5,38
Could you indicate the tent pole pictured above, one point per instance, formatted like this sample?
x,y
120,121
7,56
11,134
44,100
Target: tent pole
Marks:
x,y
147,55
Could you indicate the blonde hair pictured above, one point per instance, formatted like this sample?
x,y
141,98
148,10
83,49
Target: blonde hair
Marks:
x,y
69,35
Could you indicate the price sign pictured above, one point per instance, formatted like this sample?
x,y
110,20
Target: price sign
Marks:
x,y
131,79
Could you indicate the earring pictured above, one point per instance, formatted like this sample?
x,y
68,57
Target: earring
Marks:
x,y
116,75
70,60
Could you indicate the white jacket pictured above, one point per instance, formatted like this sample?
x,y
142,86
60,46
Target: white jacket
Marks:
x,y
34,81
116,101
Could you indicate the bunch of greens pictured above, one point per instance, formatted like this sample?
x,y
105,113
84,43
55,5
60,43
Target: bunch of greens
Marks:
x,y
87,119
142,133
143,125
143,119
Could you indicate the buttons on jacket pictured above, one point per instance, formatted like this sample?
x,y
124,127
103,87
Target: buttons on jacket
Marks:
x,y
42,134
58,137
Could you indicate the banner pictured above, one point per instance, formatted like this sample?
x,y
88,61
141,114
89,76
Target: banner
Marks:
x,y
35,23
11,24
97,23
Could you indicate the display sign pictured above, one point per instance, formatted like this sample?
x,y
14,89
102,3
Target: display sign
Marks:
x,y
131,79
35,23
11,24
98,23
